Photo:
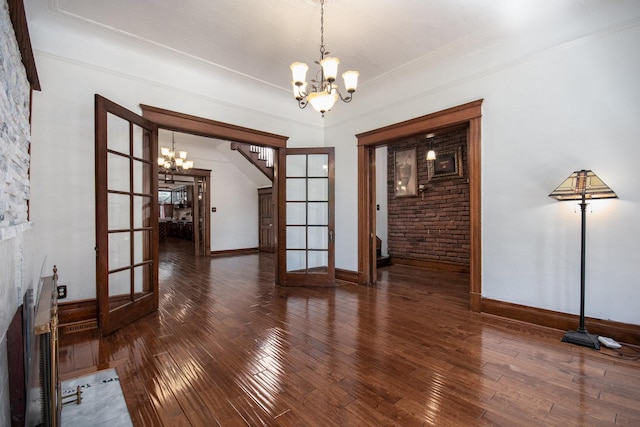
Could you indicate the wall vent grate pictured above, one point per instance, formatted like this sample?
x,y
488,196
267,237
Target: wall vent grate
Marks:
x,y
78,327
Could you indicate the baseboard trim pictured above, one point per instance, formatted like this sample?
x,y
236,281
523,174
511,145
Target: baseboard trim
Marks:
x,y
82,314
74,312
622,332
347,275
231,252
432,265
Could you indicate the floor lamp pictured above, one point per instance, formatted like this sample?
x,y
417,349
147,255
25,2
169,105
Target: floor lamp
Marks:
x,y
582,185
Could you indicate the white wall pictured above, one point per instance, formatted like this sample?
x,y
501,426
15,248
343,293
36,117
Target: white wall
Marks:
x,y
564,99
234,189
73,66
561,102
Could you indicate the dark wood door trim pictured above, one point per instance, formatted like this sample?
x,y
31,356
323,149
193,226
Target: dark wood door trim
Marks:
x,y
186,123
366,216
469,114
438,120
475,213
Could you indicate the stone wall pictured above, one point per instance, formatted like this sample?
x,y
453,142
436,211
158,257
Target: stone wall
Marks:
x,y
14,129
432,225
15,262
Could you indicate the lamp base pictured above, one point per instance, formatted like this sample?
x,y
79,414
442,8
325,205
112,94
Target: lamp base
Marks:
x,y
582,337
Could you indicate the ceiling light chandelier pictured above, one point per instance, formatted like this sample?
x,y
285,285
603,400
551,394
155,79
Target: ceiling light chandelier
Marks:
x,y
322,93
170,163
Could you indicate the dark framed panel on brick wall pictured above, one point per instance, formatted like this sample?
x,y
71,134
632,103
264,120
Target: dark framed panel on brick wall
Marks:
x,y
405,173
446,165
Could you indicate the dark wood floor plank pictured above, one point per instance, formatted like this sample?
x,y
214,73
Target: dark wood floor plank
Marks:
x,y
220,407
227,347
511,417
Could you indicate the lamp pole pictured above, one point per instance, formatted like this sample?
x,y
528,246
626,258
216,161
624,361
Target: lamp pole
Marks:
x,y
576,187
580,336
583,208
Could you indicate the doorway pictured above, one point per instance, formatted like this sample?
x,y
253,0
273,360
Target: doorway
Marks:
x,y
179,122
317,249
183,208
469,114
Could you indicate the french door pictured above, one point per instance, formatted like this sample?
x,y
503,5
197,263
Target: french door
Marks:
x,y
126,215
307,249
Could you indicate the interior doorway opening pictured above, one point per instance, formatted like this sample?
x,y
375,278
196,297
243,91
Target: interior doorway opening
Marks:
x,y
179,122
183,206
432,192
467,114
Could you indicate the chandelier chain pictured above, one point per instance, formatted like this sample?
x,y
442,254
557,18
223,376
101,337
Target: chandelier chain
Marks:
x,y
322,29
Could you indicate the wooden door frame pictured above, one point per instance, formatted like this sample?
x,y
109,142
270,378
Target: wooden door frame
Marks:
x,y
470,114
206,174
186,123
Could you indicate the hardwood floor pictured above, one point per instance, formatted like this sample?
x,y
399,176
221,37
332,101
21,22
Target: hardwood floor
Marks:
x,y
229,348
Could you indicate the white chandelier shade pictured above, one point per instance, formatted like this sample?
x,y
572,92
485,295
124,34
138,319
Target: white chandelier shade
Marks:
x,y
322,93
169,162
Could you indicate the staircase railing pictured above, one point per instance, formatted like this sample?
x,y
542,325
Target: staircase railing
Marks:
x,y
264,153
260,157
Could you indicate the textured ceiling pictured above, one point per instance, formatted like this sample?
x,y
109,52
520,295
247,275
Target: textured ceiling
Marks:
x,y
260,38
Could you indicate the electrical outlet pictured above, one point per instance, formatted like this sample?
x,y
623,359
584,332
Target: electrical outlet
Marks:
x,y
62,291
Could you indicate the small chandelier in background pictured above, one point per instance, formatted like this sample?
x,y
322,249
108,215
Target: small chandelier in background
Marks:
x,y
170,162
322,93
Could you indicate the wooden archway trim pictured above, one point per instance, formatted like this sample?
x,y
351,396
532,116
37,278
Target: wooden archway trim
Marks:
x,y
181,122
470,114
441,119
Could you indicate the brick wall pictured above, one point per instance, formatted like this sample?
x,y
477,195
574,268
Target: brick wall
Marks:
x,y
432,226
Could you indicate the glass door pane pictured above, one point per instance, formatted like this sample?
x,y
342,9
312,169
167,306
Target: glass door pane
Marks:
x,y
126,215
309,217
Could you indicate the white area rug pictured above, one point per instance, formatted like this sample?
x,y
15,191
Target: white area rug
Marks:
x,y
102,403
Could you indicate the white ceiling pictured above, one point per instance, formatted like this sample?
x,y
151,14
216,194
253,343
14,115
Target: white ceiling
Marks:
x,y
261,38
